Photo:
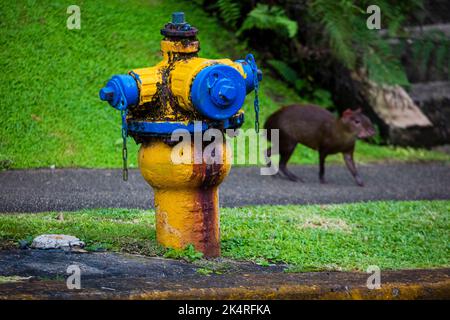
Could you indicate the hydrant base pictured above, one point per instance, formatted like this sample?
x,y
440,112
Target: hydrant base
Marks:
x,y
188,216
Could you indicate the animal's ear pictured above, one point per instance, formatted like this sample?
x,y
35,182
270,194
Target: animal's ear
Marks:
x,y
347,113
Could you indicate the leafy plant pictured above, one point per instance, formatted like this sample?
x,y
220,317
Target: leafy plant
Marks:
x,y
204,271
377,139
272,18
432,48
189,253
312,93
354,45
230,11
336,17
284,70
337,28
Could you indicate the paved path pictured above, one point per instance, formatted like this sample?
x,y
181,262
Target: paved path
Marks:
x,y
71,189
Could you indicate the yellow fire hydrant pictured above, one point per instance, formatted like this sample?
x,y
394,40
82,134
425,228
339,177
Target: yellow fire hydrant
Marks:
x,y
183,93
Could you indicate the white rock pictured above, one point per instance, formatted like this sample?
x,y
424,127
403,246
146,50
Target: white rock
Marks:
x,y
56,241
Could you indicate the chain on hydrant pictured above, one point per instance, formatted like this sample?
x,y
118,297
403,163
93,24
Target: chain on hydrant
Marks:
x,y
194,94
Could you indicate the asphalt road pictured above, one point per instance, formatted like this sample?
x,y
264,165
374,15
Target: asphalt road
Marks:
x,y
72,189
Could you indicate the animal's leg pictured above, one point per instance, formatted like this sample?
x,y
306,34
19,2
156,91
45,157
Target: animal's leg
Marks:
x,y
285,154
348,158
267,156
322,157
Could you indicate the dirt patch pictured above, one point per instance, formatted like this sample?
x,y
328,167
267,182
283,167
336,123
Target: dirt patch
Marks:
x,y
319,222
8,244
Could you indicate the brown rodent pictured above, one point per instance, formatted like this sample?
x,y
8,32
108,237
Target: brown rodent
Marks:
x,y
318,129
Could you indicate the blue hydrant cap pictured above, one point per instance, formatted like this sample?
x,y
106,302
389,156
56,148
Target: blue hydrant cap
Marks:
x,y
107,93
121,91
218,92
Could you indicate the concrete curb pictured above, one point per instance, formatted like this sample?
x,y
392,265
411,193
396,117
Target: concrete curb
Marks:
x,y
396,285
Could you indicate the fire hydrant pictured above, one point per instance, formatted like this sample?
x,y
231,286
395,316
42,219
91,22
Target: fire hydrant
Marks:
x,y
186,92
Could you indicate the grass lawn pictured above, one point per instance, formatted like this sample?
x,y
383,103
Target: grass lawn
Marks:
x,y
50,110
391,235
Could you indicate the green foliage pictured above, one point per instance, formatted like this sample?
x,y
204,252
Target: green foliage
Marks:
x,y
339,26
377,139
189,254
272,18
25,242
432,48
382,67
390,234
5,164
337,18
345,32
284,70
229,11
354,45
310,93
322,98
204,271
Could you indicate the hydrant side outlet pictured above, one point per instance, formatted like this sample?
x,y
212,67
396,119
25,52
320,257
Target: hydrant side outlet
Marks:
x,y
181,92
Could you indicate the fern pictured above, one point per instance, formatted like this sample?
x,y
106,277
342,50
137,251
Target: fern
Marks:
x,y
337,26
335,16
433,44
269,18
286,72
354,45
384,70
230,11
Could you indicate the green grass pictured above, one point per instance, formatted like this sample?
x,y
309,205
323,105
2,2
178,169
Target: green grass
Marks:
x,y
368,153
50,110
365,153
391,235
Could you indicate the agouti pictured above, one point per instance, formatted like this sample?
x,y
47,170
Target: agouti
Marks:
x,y
318,129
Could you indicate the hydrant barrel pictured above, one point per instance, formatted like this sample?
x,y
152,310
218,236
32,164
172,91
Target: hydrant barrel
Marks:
x,y
186,196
